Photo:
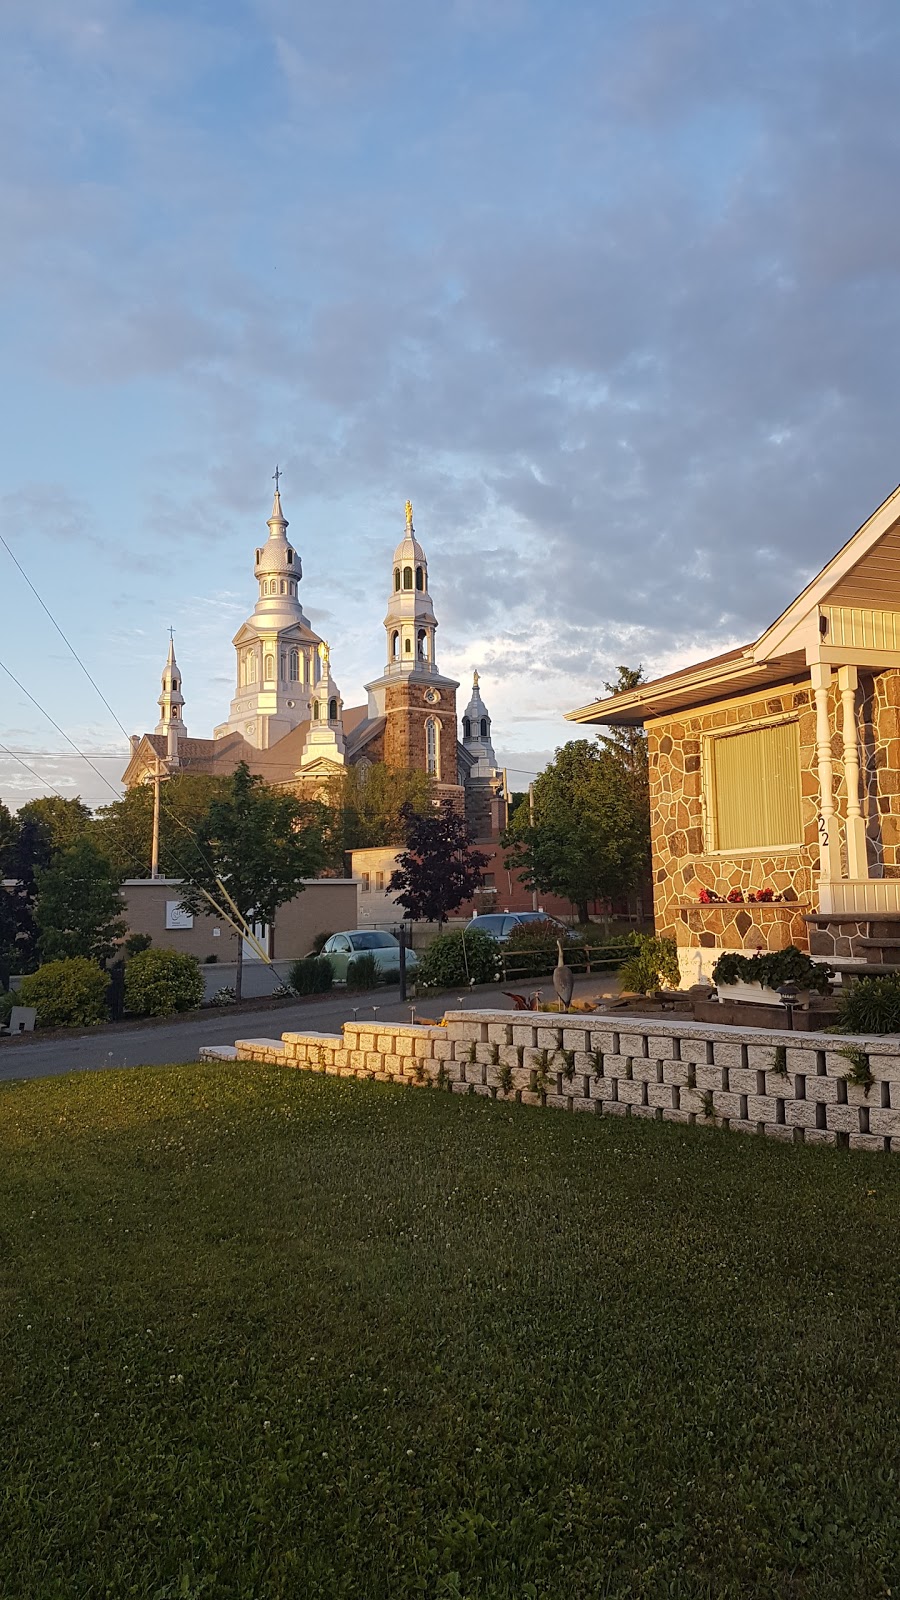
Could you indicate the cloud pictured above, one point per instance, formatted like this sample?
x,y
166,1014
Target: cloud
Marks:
x,y
611,292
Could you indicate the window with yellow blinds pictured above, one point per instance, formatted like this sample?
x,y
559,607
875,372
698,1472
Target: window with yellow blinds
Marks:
x,y
754,778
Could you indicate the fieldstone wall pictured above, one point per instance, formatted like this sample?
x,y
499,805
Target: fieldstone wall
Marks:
x,y
682,866
790,1087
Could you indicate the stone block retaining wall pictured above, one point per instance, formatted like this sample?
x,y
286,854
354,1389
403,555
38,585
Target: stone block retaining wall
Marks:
x,y
701,1073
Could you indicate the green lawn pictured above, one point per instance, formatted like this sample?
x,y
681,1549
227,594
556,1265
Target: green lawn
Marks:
x,y
268,1334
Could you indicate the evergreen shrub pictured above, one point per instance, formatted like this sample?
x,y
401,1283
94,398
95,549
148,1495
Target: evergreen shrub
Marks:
x,y
67,994
653,966
159,982
312,975
461,958
871,1005
363,972
7,1001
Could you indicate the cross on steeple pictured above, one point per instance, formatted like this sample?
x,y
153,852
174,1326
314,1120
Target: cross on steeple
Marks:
x,y
276,475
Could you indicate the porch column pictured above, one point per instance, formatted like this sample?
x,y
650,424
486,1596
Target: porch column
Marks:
x,y
857,864
829,845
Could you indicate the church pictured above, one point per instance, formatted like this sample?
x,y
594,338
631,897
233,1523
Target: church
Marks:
x,y
287,718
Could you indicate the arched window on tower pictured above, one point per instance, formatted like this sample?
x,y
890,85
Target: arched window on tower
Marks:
x,y
315,711
467,728
396,578
174,713
269,668
484,727
283,673
295,665
422,645
420,578
407,578
432,748
407,647
332,711
283,587
395,646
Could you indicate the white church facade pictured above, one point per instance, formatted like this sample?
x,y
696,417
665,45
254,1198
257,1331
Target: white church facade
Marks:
x,y
287,718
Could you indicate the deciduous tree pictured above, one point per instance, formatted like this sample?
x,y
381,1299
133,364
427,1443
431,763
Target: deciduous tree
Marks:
x,y
588,839
79,905
258,844
438,870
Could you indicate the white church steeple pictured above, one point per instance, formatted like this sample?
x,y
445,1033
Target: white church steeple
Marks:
x,y
171,701
277,661
325,739
410,622
476,734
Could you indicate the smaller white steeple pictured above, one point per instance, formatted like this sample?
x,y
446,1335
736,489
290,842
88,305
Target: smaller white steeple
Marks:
x,y
171,701
476,731
325,739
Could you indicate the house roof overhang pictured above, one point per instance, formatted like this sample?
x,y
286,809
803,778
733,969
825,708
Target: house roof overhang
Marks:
x,y
783,653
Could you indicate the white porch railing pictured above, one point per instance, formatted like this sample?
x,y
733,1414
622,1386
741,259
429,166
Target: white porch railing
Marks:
x,y
865,897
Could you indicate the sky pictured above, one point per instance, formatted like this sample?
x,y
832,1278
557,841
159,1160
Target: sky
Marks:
x,y
608,288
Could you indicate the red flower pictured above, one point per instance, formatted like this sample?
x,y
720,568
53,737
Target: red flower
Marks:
x,y
736,897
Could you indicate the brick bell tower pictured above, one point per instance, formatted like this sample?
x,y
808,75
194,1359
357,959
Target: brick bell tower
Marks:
x,y
419,705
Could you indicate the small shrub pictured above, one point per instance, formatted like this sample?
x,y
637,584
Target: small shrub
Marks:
x,y
210,961
363,972
860,1068
504,1078
312,975
67,994
709,1108
160,982
871,1005
530,950
226,996
7,1001
494,1055
653,966
136,942
540,1073
319,940
472,1056
454,959
597,1063
779,1060
569,1064
773,968
442,1079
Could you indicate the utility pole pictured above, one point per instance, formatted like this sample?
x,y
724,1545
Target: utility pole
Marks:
x,y
534,893
154,847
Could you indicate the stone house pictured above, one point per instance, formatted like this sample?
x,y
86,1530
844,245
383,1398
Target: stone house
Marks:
x,y
775,772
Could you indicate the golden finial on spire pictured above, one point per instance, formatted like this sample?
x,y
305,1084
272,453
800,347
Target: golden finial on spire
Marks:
x,y
474,680
409,520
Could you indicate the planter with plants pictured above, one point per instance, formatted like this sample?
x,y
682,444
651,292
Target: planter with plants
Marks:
x,y
758,978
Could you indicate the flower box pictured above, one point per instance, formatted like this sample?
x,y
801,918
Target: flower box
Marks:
x,y
755,993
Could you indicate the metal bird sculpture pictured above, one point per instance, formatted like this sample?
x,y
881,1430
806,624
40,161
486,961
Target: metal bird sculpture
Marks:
x,y
563,980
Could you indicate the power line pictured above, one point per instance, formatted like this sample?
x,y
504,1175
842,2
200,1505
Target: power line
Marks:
x,y
44,782
66,641
36,703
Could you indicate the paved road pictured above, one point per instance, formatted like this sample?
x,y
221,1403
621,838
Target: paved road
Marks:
x,y
181,1040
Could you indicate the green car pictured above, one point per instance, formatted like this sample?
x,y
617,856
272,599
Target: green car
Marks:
x,y
341,949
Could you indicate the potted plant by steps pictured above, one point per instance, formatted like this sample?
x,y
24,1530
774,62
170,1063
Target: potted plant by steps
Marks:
x,y
758,978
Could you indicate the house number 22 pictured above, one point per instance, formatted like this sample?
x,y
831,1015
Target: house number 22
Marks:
x,y
823,831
